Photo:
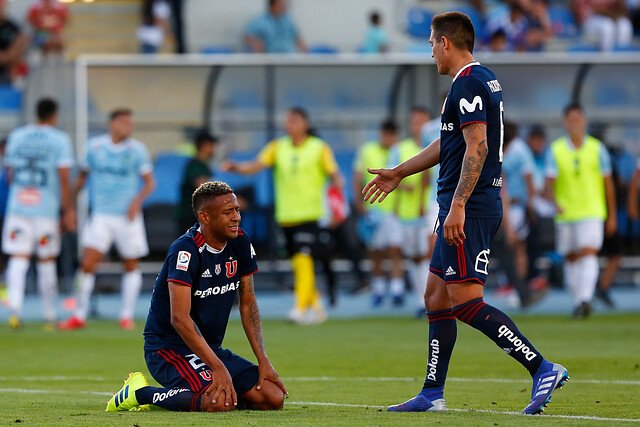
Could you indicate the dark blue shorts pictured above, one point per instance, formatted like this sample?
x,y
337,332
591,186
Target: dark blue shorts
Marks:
x,y
181,368
468,261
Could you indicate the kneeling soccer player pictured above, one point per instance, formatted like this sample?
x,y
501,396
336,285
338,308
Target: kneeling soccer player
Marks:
x,y
188,317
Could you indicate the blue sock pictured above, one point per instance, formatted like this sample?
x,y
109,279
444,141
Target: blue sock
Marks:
x,y
442,338
500,328
173,399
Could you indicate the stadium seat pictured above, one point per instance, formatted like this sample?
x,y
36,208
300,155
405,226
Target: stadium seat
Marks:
x,y
419,22
323,49
246,99
562,21
168,169
612,94
627,48
345,164
419,47
217,50
582,47
10,99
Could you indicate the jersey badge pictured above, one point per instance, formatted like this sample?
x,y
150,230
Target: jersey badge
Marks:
x,y
470,107
184,257
232,267
218,269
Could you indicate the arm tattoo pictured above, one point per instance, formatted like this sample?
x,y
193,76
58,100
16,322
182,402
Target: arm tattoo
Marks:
x,y
254,324
473,161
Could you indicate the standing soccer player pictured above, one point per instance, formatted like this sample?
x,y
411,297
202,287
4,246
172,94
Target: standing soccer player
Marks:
x,y
116,162
469,151
38,158
202,273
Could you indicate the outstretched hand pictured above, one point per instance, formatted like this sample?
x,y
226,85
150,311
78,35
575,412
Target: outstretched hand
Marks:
x,y
379,187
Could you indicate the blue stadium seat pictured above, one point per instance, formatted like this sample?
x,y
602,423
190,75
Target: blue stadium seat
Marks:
x,y
217,50
10,99
168,170
562,21
627,48
261,182
246,98
611,95
323,49
581,47
345,164
419,22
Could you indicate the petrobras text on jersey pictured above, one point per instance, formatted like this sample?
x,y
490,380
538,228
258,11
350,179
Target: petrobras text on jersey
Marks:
x,y
446,126
217,290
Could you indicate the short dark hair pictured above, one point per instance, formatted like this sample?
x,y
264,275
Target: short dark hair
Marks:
x,y
421,109
46,108
300,111
114,114
204,137
207,191
573,107
537,130
455,26
374,18
389,125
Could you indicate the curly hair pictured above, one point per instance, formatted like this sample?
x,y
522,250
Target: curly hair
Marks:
x,y
207,191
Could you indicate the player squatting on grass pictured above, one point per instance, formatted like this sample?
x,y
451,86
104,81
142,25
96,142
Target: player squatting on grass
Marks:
x,y
469,152
188,317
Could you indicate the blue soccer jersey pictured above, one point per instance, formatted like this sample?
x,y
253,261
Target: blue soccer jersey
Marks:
x,y
213,276
475,97
114,173
35,153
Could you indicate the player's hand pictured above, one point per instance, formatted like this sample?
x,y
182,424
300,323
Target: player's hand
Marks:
x,y
222,388
454,226
266,372
610,226
380,186
69,220
134,209
228,166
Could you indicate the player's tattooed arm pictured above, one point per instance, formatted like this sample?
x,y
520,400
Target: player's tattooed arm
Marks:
x,y
250,315
475,136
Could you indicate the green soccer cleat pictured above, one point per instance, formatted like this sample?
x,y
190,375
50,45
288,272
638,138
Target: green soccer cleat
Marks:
x,y
125,398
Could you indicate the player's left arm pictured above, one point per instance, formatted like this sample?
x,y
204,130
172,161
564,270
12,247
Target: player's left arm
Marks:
x,y
148,185
475,137
66,201
252,324
611,223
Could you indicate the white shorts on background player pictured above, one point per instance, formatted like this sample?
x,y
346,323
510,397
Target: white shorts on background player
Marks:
x,y
415,241
388,234
23,235
518,219
130,237
573,236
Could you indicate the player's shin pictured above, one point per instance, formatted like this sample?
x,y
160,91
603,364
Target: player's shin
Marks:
x,y
173,399
47,279
501,329
442,338
86,283
131,285
16,282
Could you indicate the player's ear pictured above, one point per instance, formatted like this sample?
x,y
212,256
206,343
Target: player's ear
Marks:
x,y
203,217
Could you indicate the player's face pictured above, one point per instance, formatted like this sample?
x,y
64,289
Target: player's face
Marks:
x,y
223,216
418,119
122,126
437,53
536,143
575,122
387,139
295,124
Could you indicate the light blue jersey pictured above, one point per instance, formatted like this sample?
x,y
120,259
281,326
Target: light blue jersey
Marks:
x,y
518,162
35,153
114,173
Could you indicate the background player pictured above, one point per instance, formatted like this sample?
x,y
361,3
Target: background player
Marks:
x,y
38,158
190,307
116,162
470,152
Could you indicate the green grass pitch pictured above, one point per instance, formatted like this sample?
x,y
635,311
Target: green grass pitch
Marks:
x,y
342,372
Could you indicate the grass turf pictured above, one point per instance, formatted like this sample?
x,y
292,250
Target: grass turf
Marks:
x,y
65,378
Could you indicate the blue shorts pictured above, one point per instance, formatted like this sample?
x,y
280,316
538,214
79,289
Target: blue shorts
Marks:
x,y
468,261
181,368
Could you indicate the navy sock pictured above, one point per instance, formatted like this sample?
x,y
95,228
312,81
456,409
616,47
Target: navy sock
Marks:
x,y
501,329
173,399
442,338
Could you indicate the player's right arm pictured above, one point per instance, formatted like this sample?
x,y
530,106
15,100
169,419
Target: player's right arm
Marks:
x,y
180,302
633,195
265,159
388,179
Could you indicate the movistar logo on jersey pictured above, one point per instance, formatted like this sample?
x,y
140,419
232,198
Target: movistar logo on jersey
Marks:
x,y
217,290
518,345
470,107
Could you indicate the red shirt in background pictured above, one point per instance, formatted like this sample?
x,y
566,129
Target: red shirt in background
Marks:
x,y
49,18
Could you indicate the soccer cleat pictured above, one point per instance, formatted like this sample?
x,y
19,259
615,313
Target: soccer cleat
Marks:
x,y
398,300
71,324
377,301
127,324
550,377
125,398
603,295
420,403
296,316
15,323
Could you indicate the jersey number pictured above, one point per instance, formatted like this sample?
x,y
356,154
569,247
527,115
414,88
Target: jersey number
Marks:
x,y
31,174
500,155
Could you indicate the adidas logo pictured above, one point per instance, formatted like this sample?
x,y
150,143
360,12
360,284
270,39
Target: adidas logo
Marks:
x,y
206,273
450,271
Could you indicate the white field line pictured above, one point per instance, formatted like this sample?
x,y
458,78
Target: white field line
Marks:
x,y
486,411
342,379
351,405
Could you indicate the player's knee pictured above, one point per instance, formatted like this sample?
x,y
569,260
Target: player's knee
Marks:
x,y
269,398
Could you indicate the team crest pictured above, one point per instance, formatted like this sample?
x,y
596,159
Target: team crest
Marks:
x,y
232,267
218,269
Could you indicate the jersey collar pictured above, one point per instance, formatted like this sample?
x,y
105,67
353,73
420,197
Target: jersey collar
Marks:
x,y
470,64
211,248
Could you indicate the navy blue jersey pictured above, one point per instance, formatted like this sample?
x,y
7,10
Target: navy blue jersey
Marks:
x,y
213,276
475,97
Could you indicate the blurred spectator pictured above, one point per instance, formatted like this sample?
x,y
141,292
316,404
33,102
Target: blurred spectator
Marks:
x,y
514,24
539,29
47,19
177,18
634,13
274,31
196,172
13,44
605,21
154,26
498,41
376,39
